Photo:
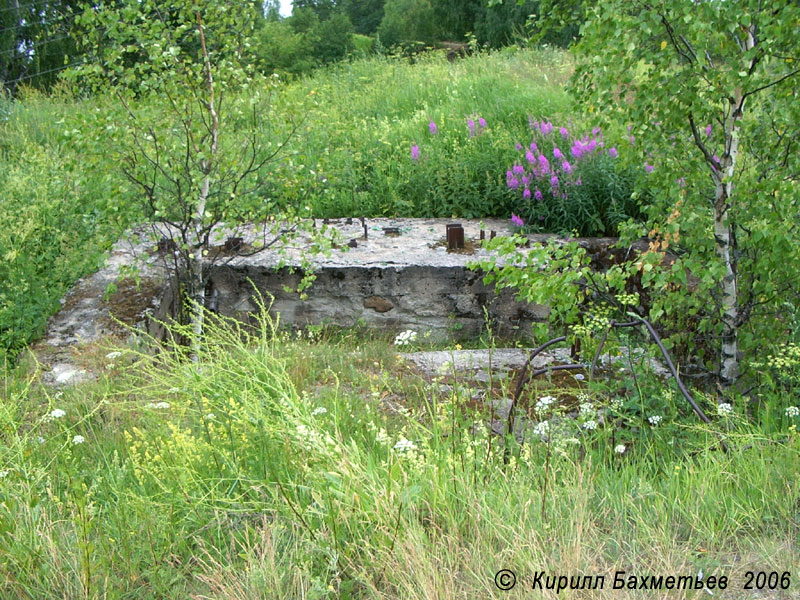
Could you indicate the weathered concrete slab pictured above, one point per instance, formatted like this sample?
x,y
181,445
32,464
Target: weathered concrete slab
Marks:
x,y
407,280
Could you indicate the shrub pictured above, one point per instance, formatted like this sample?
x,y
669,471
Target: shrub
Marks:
x,y
572,183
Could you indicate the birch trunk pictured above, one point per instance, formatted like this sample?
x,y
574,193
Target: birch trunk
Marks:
x,y
724,234
196,267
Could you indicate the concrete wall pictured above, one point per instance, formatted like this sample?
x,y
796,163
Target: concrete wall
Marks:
x,y
447,301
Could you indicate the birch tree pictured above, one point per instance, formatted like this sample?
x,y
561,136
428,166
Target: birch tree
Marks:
x,y
708,89
186,122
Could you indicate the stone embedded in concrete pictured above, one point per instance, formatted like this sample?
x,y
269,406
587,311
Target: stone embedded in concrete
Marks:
x,y
378,304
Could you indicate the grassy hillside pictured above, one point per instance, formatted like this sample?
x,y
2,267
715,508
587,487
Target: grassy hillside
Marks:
x,y
64,197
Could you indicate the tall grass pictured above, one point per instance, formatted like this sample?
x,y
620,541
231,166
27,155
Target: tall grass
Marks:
x,y
361,119
286,468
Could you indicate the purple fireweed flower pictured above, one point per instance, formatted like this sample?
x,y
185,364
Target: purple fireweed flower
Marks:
x,y
529,156
554,181
509,175
632,139
537,194
564,132
526,194
578,181
518,169
577,149
544,164
547,128
526,180
629,128
612,152
596,131
591,146
518,147
432,127
566,167
557,153
708,130
534,124
681,181
534,147
481,122
513,183
648,167
414,152
517,220
471,125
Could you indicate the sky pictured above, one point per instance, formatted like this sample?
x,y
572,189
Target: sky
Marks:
x,y
286,7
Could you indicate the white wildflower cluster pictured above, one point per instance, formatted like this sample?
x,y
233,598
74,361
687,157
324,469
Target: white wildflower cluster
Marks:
x,y
158,405
619,448
320,410
405,338
724,409
78,439
655,420
309,438
210,416
588,413
404,445
544,403
616,404
792,411
113,355
3,473
542,429
56,413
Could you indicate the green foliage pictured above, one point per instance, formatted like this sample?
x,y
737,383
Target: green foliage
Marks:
x,y
712,108
573,182
407,21
365,15
354,155
334,38
36,41
271,467
280,49
53,223
363,45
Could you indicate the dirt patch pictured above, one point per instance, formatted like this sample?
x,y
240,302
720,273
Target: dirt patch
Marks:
x,y
129,304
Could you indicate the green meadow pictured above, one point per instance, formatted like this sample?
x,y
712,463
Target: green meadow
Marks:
x,y
316,463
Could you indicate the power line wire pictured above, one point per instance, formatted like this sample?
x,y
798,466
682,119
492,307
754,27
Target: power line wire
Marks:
x,y
40,73
20,7
42,42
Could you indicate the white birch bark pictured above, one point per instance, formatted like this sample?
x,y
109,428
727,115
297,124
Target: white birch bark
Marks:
x,y
724,232
196,267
